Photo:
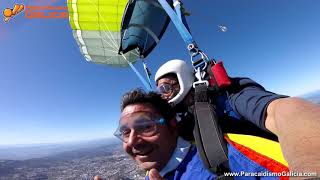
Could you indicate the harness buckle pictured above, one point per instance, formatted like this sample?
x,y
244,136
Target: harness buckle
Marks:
x,y
200,62
200,75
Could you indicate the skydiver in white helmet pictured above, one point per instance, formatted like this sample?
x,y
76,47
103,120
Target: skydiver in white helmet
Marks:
x,y
174,81
291,119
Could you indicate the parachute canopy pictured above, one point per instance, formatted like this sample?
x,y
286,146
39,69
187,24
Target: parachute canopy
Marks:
x,y
96,28
223,28
144,22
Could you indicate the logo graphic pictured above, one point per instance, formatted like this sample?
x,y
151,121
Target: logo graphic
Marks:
x,y
43,11
10,13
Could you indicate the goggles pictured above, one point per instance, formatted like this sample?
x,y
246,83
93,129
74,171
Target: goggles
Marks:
x,y
143,126
166,88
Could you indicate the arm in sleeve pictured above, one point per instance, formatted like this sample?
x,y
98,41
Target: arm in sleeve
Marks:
x,y
250,100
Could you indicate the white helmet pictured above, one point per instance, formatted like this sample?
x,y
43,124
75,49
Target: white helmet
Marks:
x,y
185,75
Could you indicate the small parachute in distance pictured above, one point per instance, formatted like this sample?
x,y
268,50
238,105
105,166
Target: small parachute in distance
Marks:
x,y
223,28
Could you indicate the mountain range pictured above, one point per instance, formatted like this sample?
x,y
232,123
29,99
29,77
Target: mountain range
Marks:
x,y
313,96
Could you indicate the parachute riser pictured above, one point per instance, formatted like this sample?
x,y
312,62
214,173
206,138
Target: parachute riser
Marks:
x,y
207,71
147,71
146,84
178,18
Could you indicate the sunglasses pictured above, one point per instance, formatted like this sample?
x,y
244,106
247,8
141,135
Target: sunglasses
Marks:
x,y
144,127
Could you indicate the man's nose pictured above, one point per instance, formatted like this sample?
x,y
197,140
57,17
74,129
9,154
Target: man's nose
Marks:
x,y
133,138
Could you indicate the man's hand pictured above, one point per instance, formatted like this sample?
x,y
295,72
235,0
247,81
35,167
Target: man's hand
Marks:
x,y
154,175
296,122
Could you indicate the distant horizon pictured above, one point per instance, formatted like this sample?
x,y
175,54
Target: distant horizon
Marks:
x,y
39,150
315,91
304,96
53,143
51,94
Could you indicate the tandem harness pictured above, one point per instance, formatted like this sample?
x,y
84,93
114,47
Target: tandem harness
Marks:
x,y
208,135
212,79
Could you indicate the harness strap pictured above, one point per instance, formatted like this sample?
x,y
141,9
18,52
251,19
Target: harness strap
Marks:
x,y
177,21
208,136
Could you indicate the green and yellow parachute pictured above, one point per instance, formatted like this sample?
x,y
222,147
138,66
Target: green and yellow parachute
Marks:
x,y
96,27
117,32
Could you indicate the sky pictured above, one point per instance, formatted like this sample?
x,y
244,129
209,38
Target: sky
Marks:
x,y
50,93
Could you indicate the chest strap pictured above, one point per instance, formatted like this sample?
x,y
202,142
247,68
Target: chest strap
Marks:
x,y
209,138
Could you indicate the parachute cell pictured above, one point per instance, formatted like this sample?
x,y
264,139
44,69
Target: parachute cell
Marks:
x,y
96,28
144,22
